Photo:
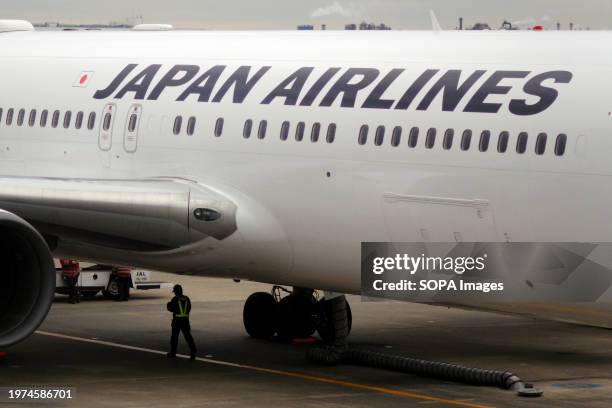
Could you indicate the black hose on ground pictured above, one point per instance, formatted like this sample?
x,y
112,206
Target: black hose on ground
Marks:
x,y
339,352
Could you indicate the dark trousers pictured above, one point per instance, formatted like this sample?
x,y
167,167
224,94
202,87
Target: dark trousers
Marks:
x,y
73,292
181,324
124,289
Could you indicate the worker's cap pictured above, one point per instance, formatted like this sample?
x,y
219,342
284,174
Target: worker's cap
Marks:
x,y
178,289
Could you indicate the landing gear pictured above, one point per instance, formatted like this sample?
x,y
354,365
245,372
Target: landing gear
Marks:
x,y
297,314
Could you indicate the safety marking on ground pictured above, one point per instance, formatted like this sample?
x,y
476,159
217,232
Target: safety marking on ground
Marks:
x,y
291,374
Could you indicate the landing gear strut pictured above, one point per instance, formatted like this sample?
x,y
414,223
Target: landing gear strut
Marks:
x,y
289,314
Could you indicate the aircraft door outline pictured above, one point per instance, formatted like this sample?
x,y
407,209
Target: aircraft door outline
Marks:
x,y
132,125
105,138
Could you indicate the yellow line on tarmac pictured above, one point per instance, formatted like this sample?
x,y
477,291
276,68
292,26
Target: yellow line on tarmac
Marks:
x,y
303,376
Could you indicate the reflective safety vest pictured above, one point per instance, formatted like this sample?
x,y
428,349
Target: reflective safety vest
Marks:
x,y
182,305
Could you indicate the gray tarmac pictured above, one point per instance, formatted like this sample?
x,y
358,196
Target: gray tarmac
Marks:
x,y
113,354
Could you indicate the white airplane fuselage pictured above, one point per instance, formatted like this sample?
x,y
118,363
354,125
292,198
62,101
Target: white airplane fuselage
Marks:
x,y
304,207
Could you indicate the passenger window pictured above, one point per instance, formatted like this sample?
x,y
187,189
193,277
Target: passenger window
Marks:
x,y
132,123
502,144
396,138
91,121
191,124
560,144
67,117
430,140
9,117
466,140
485,137
248,127
107,121
413,138
32,118
219,127
43,118
263,126
20,117
78,123
331,133
316,131
447,143
299,131
55,119
521,143
379,138
178,122
363,134
284,134
541,143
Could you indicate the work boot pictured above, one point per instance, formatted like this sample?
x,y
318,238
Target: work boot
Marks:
x,y
193,356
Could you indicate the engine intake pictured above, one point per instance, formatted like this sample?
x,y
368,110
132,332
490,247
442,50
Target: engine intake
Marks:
x,y
27,276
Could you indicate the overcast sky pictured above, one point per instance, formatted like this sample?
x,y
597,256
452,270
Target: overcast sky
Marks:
x,y
286,14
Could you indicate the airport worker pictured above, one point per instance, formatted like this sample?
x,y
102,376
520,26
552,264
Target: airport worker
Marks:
x,y
70,274
124,282
180,306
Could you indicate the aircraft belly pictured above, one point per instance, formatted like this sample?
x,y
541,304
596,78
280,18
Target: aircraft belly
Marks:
x,y
590,314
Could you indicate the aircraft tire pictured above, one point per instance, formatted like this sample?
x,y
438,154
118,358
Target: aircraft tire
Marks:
x,y
259,315
326,329
295,317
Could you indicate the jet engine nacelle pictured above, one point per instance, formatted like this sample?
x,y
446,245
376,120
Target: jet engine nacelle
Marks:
x,y
27,279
